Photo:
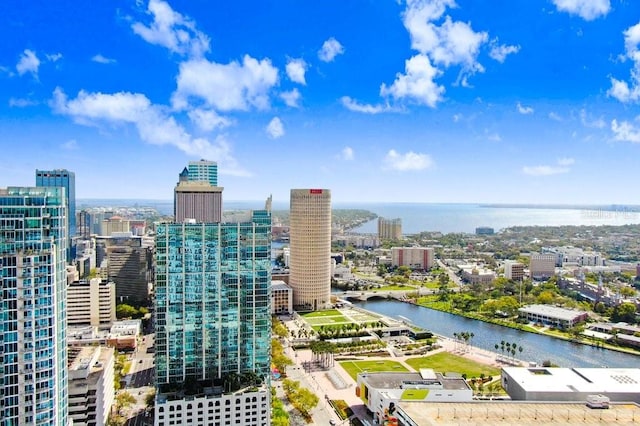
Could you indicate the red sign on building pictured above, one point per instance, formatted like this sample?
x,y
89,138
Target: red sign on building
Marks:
x,y
315,191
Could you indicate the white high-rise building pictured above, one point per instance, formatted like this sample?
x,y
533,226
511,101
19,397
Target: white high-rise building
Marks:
x,y
33,244
310,243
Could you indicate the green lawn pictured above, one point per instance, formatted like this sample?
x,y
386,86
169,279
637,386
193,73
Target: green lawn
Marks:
x,y
355,367
444,362
318,321
327,313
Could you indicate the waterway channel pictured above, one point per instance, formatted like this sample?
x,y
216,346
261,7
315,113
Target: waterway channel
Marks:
x,y
537,348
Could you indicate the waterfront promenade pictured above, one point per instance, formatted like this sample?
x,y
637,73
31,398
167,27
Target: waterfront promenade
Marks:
x,y
336,384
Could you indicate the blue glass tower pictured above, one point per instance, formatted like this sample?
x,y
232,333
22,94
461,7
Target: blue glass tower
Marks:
x,y
33,361
212,299
203,170
213,318
66,179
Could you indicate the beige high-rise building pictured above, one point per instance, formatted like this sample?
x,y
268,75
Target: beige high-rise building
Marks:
x,y
542,265
197,195
389,229
91,302
310,242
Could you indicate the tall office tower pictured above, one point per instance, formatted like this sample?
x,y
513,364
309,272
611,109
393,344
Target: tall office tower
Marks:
x,y
128,264
213,321
33,361
389,229
203,170
84,224
67,180
310,241
197,195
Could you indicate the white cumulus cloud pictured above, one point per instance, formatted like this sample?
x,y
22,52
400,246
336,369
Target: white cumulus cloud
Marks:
x,y
353,105
208,120
154,125
226,87
28,62
275,128
499,52
409,161
102,59
586,9
417,83
524,109
53,57
447,44
629,91
172,30
330,49
625,131
291,98
562,166
296,68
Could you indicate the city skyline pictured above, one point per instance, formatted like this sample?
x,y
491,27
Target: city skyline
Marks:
x,y
421,101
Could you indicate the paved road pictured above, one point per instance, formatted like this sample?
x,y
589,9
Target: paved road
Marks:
x,y
140,381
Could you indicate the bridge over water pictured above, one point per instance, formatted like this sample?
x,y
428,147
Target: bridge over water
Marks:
x,y
365,295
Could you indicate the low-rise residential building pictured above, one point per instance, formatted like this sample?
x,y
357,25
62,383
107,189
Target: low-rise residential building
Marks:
x,y
91,302
571,384
513,270
414,257
281,298
476,275
381,392
552,316
124,334
91,385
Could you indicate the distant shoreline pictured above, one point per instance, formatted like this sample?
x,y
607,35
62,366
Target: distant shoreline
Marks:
x,y
356,205
594,207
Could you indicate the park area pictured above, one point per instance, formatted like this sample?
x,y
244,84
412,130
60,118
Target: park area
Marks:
x,y
444,362
323,320
355,367
329,317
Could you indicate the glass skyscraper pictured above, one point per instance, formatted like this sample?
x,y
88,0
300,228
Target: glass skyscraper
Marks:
x,y
203,170
213,319
67,180
33,359
212,299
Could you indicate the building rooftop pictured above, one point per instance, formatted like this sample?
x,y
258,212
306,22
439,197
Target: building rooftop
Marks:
x,y
517,413
87,360
551,311
279,285
403,379
590,380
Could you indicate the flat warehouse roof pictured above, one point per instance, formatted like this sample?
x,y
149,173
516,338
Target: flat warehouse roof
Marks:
x,y
591,380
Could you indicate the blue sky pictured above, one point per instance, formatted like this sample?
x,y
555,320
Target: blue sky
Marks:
x,y
532,101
